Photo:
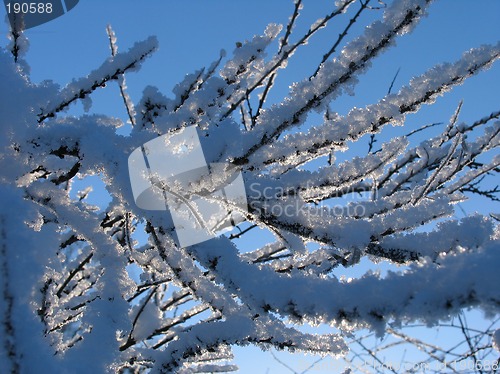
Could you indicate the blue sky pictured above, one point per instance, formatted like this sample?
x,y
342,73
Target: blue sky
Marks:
x,y
191,34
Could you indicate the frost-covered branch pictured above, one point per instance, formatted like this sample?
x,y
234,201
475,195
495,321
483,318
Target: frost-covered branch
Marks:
x,y
10,355
319,90
112,69
335,133
112,281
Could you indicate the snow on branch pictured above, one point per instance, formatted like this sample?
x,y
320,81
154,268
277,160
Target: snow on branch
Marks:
x,y
336,131
339,73
370,300
110,280
112,69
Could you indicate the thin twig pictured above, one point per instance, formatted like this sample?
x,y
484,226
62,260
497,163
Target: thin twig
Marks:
x,y
341,37
283,43
121,82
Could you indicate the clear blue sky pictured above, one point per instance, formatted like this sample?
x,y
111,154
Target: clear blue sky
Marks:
x,y
192,32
